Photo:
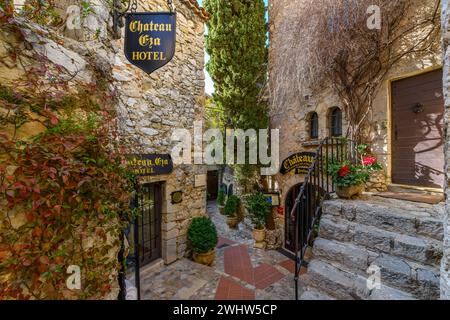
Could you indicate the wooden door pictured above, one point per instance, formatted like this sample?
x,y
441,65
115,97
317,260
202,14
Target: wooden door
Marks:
x,y
417,131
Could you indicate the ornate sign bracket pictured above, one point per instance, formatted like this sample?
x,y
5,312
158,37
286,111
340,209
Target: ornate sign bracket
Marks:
x,y
119,11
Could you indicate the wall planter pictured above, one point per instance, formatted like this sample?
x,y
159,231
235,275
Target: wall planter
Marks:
x,y
349,191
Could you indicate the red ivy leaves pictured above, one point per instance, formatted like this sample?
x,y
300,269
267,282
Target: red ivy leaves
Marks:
x,y
67,197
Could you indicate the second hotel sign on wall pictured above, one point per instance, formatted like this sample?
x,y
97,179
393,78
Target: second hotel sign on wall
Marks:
x,y
150,39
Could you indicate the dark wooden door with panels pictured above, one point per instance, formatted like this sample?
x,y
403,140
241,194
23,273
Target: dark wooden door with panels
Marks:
x,y
418,130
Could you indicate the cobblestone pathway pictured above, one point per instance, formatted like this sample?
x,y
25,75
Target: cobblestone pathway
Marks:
x,y
241,272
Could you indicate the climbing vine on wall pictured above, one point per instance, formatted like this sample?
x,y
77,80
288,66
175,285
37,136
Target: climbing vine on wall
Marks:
x,y
64,192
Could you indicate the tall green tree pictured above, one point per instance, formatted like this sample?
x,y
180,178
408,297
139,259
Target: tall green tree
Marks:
x,y
236,43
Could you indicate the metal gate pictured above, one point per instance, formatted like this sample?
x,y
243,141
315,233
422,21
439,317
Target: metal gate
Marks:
x,y
143,237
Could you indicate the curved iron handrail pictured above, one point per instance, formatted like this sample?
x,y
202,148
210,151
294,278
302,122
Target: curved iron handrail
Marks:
x,y
316,187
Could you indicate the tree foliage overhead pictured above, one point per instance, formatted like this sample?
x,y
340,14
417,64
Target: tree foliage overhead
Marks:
x,y
328,44
236,43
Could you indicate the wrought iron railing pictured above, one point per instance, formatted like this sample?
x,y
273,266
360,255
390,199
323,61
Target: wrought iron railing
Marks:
x,y
317,187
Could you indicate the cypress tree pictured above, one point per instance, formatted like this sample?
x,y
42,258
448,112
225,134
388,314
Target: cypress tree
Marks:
x,y
236,43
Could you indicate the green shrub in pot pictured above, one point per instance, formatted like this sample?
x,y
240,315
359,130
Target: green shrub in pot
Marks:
x,y
258,209
221,197
202,235
231,206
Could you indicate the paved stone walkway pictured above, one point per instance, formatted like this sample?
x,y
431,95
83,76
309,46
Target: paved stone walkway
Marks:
x,y
240,272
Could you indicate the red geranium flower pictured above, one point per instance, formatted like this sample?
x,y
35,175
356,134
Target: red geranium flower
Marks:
x,y
369,160
344,171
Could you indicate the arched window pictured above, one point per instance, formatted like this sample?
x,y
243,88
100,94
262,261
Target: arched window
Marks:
x,y
336,122
314,126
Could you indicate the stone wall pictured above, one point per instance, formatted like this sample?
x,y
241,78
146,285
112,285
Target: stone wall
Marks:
x,y
150,107
445,269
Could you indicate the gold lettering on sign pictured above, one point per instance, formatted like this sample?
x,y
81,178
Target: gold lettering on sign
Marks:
x,y
138,26
152,56
146,40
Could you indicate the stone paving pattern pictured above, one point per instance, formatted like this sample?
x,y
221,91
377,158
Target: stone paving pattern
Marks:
x,y
240,272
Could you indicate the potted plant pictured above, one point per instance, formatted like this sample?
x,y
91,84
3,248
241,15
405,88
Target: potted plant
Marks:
x,y
230,211
221,200
258,209
350,178
202,237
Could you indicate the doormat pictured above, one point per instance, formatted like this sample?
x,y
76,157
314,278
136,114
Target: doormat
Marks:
x,y
414,197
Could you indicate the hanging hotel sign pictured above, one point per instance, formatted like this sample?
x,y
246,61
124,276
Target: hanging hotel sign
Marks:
x,y
299,163
150,39
150,164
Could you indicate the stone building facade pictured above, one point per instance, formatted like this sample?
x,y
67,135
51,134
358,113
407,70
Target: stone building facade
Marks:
x,y
445,269
296,134
149,107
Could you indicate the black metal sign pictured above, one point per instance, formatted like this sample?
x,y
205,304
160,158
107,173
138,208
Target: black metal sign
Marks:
x,y
150,39
150,164
299,162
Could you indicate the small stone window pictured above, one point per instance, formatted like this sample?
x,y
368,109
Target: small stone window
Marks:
x,y
336,122
314,126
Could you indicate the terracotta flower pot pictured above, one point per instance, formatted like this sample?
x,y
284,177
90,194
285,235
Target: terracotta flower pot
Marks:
x,y
221,209
206,259
259,235
350,191
232,222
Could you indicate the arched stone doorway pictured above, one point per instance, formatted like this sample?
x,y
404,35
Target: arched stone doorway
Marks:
x,y
310,203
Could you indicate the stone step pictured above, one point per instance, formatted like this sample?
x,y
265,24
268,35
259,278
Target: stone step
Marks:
x,y
344,285
400,216
419,280
311,294
422,250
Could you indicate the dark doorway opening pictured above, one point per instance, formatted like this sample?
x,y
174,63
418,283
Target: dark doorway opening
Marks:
x,y
213,184
306,211
148,224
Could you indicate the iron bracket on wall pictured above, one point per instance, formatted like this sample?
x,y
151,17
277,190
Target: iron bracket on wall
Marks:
x,y
119,11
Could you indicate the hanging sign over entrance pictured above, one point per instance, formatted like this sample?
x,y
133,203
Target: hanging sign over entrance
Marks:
x,y
299,163
150,39
150,164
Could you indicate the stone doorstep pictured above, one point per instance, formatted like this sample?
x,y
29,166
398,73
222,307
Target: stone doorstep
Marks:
x,y
152,267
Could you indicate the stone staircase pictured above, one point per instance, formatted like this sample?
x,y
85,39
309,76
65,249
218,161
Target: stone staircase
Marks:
x,y
400,239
